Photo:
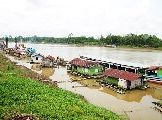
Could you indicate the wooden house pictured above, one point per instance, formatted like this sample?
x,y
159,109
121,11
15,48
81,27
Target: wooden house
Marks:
x,y
85,67
37,58
48,61
123,79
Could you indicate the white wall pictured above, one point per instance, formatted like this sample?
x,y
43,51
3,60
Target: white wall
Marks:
x,y
37,61
122,83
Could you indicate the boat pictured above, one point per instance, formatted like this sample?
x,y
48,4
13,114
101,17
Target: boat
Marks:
x,y
110,46
154,74
156,81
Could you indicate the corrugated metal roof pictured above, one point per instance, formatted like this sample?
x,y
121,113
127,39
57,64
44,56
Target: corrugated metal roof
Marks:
x,y
115,73
82,62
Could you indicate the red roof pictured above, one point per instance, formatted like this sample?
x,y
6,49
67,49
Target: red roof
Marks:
x,y
82,63
115,73
154,68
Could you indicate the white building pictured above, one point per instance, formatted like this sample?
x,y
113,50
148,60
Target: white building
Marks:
x,y
37,58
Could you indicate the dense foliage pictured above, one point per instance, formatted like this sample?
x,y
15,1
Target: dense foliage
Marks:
x,y
23,95
131,40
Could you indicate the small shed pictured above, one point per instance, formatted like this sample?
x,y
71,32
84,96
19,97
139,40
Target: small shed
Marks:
x,y
37,58
48,61
86,67
123,79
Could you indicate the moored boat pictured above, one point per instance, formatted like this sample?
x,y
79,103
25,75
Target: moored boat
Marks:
x,y
156,81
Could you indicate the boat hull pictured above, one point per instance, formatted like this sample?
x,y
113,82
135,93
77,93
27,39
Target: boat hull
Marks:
x,y
155,81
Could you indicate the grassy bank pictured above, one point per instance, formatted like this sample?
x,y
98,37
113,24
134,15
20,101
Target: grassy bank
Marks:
x,y
19,94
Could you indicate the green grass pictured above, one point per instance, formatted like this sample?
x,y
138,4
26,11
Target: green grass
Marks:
x,y
20,95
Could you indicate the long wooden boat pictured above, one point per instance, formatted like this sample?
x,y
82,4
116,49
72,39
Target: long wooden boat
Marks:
x,y
156,81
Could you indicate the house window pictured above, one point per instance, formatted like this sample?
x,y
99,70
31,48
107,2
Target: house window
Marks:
x,y
96,70
86,70
36,58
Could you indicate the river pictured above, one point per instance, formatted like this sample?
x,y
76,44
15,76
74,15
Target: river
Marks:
x,y
135,104
142,58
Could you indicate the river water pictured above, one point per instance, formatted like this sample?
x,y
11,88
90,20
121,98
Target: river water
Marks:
x,y
143,58
135,104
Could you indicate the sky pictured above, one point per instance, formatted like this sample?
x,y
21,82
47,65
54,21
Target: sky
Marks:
x,y
59,18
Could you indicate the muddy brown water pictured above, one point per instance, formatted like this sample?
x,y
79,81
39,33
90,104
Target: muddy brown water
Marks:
x,y
134,57
136,104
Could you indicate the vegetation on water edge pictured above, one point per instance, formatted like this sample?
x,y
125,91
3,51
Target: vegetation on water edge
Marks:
x,y
19,95
129,40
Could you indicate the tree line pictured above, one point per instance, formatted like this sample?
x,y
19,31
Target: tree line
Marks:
x,y
131,40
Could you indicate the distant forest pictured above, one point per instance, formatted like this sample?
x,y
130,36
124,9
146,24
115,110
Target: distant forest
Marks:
x,y
130,40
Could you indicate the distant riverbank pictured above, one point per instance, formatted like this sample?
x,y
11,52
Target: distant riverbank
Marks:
x,y
128,40
139,48
132,48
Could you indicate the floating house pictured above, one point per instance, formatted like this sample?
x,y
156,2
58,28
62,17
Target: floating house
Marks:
x,y
37,58
48,61
137,70
85,67
123,79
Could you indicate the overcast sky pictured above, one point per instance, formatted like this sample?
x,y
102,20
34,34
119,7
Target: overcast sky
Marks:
x,y
80,17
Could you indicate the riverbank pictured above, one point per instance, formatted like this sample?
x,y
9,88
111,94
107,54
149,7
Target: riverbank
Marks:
x,y
145,49
125,47
23,93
